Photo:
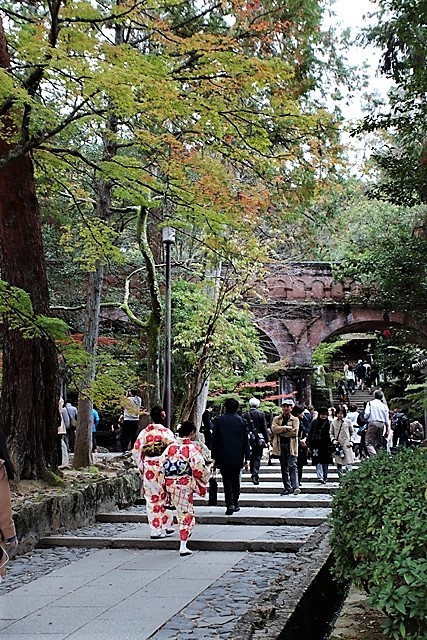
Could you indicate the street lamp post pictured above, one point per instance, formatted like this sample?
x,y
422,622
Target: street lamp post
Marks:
x,y
168,239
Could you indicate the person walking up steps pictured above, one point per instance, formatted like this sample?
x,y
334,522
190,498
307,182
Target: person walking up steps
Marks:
x,y
132,405
185,473
149,446
377,417
230,448
319,443
341,433
258,430
285,430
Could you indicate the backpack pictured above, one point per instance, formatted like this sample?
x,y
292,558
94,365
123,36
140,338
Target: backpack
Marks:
x,y
416,431
399,422
361,420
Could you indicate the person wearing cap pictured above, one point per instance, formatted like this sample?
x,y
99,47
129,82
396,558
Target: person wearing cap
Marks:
x,y
258,428
285,430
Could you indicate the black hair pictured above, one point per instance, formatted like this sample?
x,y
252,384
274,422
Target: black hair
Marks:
x,y
231,405
323,411
156,413
341,408
4,455
297,410
186,428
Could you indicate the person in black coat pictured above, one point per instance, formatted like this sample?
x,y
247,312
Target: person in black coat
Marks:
x,y
257,426
230,449
207,424
319,443
304,418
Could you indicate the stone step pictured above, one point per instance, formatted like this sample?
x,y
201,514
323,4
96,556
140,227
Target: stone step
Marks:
x,y
276,487
276,500
262,499
309,517
253,538
308,472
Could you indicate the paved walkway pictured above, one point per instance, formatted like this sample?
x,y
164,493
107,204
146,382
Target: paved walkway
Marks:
x,y
68,591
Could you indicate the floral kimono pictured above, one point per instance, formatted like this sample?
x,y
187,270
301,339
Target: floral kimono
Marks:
x,y
149,446
185,472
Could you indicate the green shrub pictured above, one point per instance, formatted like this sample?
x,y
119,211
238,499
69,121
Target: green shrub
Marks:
x,y
379,539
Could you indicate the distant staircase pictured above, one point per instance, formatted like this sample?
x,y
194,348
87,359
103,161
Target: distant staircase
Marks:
x,y
359,397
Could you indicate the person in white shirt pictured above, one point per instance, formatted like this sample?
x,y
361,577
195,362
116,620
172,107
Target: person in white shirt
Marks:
x,y
132,405
376,413
352,415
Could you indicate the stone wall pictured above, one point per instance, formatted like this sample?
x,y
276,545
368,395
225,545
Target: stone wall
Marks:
x,y
76,508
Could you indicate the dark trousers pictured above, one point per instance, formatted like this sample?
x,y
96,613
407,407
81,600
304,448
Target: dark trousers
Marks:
x,y
231,482
401,437
254,465
59,448
70,438
300,463
128,434
288,466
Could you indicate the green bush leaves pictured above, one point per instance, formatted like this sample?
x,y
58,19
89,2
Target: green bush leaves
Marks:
x,y
379,519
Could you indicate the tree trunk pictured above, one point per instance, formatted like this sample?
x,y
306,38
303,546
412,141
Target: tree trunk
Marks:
x,y
29,413
155,317
83,444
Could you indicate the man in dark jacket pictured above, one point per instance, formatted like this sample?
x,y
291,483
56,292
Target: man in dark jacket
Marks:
x,y
258,430
207,424
230,448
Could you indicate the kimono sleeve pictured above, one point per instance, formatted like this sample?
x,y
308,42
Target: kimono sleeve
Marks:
x,y
199,470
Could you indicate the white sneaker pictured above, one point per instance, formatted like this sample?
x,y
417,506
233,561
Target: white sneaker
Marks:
x,y
296,492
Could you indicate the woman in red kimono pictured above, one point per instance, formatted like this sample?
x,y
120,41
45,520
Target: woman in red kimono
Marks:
x,y
185,473
148,448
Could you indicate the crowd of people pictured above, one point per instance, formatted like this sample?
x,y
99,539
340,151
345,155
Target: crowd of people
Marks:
x,y
175,467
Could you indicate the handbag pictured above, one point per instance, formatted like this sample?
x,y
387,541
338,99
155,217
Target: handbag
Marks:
x,y
73,421
256,439
213,491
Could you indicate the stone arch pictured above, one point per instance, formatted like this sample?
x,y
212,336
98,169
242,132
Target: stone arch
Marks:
x,y
269,348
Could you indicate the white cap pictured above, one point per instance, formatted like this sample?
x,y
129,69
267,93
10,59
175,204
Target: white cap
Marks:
x,y
254,402
288,401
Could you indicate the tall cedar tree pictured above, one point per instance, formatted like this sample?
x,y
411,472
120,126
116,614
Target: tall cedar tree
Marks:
x,y
29,402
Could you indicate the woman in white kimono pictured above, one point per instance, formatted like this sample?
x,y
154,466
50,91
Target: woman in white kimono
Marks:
x,y
148,448
185,473
341,433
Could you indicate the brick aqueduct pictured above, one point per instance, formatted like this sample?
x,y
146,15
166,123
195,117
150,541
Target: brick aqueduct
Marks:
x,y
305,306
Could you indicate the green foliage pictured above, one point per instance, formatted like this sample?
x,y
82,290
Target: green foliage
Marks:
x,y
379,537
227,338
376,246
397,30
324,353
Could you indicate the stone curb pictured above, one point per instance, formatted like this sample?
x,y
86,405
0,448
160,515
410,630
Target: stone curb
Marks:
x,y
277,613
77,508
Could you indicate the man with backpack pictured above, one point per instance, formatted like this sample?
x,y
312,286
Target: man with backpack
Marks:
x,y
258,436
400,428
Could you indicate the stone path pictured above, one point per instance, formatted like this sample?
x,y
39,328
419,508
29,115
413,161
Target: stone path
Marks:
x,y
111,581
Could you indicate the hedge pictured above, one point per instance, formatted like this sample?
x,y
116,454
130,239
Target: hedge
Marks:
x,y
379,539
